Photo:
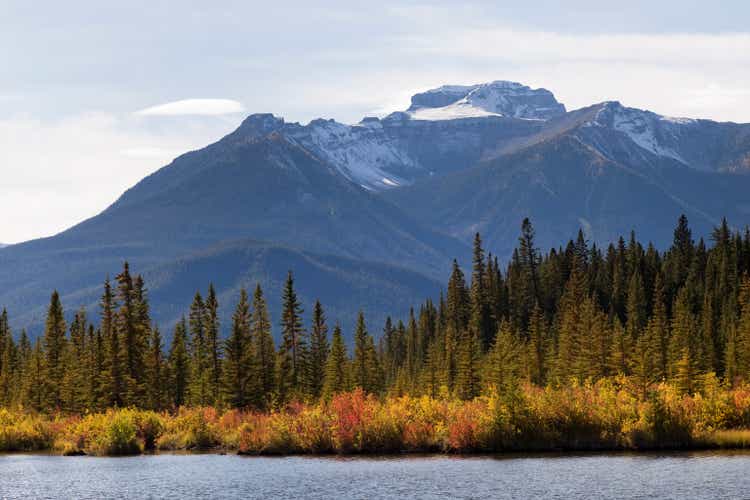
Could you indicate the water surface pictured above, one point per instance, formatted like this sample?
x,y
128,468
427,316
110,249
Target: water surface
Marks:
x,y
702,475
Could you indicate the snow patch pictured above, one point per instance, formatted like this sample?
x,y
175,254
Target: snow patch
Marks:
x,y
361,153
453,111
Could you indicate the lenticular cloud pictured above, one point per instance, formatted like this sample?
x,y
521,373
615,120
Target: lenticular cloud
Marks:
x,y
205,107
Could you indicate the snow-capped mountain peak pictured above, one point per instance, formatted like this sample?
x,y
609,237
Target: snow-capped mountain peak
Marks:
x,y
498,98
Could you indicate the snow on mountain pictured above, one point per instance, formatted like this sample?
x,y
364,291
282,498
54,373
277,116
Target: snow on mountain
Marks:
x,y
361,152
498,98
374,153
654,133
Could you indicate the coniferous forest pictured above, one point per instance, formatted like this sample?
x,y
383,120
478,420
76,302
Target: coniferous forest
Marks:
x,y
580,347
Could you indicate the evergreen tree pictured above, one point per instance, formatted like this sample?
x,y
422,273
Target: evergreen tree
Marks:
x,y
468,370
179,365
213,345
237,360
128,334
502,368
156,372
336,379
200,381
480,311
264,349
54,351
318,351
537,347
114,385
682,347
292,352
362,373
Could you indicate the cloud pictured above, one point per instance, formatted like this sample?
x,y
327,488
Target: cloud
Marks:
x,y
56,173
195,107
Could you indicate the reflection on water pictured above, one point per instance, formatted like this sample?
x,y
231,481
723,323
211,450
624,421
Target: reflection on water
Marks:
x,y
700,475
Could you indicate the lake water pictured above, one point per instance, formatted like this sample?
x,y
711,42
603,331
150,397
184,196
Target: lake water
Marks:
x,y
679,476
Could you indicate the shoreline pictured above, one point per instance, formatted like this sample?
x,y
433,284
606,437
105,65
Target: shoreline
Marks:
x,y
499,455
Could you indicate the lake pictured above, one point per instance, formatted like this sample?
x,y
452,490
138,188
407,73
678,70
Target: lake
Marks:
x,y
673,475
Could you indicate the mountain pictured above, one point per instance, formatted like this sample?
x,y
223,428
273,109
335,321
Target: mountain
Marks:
x,y
499,98
343,285
264,188
372,213
607,169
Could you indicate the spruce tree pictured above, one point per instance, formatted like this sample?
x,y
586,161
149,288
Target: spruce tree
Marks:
x,y
480,311
237,361
264,350
156,372
179,365
55,345
199,390
128,336
336,379
213,345
293,349
361,367
114,384
538,347
502,368
468,370
318,351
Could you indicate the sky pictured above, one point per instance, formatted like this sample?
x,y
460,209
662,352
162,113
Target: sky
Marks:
x,y
93,97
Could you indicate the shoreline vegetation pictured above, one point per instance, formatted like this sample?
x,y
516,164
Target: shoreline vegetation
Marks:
x,y
579,348
603,416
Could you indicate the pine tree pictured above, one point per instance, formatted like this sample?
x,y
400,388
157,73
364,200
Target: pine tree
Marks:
x,y
199,390
264,349
361,368
682,347
128,335
537,347
237,356
468,370
55,345
96,352
8,369
658,331
156,372
480,311
179,365
292,352
114,385
636,306
34,388
75,364
529,264
336,379
569,319
213,345
318,351
502,368
456,320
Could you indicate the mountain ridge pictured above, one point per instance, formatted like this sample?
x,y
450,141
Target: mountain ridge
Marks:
x,y
407,190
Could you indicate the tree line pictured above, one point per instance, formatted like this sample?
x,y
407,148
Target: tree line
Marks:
x,y
575,313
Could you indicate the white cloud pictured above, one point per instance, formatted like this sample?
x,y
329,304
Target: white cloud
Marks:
x,y
197,107
60,172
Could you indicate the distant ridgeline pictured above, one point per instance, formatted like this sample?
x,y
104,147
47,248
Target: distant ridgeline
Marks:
x,y
575,314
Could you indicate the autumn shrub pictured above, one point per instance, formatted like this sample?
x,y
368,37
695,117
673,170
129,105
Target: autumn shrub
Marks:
x,y
112,433
608,414
21,431
190,429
